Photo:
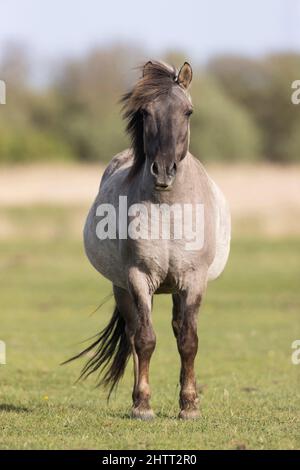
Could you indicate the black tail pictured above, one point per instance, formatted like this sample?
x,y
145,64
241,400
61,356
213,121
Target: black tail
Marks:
x,y
112,351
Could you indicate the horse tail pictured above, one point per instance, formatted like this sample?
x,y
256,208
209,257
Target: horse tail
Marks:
x,y
111,352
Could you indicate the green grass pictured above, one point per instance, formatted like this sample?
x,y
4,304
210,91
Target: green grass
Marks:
x,y
251,389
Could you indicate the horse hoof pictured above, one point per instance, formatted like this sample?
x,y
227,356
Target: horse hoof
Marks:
x,y
143,414
189,414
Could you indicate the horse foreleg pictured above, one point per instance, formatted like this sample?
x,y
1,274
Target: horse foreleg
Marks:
x,y
144,344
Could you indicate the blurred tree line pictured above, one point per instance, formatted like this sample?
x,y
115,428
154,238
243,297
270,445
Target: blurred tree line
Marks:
x,y
243,109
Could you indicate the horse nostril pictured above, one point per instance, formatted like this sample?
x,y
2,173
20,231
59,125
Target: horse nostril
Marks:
x,y
173,169
154,169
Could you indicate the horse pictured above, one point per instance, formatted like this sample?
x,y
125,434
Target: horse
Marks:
x,y
157,170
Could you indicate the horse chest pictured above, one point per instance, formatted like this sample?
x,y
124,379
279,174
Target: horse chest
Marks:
x,y
166,263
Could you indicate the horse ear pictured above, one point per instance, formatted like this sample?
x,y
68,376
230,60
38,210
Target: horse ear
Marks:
x,y
147,64
185,75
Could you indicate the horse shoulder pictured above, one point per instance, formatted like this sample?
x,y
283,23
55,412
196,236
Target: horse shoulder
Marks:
x,y
121,160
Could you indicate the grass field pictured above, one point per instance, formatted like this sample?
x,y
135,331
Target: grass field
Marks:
x,y
250,390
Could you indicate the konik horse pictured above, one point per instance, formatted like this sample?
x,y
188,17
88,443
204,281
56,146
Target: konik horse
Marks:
x,y
157,170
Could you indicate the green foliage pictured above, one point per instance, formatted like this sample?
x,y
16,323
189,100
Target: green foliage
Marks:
x,y
28,144
291,146
243,108
94,140
263,87
220,128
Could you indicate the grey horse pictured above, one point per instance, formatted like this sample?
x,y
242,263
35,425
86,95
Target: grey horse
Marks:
x,y
157,171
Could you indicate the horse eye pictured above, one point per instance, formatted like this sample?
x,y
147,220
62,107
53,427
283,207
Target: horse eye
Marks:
x,y
189,112
144,112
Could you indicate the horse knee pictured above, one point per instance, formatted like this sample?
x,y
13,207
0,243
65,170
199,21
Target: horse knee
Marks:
x,y
188,343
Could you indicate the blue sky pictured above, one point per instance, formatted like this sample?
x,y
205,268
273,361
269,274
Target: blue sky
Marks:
x,y
200,28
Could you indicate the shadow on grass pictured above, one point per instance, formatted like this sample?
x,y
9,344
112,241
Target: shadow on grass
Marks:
x,y
13,409
158,415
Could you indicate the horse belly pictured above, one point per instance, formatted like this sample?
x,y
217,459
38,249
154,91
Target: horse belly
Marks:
x,y
223,234
104,254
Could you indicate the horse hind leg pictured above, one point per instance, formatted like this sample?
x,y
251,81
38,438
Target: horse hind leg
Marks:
x,y
141,337
126,306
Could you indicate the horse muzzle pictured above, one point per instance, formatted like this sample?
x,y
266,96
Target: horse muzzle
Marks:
x,y
163,175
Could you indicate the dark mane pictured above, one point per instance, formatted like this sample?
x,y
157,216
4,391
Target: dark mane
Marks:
x,y
157,79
